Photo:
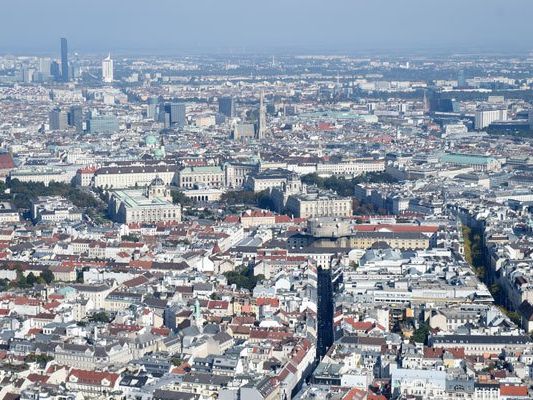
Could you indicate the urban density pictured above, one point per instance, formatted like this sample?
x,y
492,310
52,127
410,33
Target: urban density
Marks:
x,y
254,226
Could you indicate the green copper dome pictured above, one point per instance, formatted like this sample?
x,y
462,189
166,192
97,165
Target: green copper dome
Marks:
x,y
150,140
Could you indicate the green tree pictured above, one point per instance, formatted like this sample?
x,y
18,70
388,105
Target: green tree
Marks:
x,y
243,278
21,279
101,316
176,360
130,238
48,276
242,197
343,186
239,197
23,193
495,290
264,200
41,359
178,197
515,317
421,334
31,279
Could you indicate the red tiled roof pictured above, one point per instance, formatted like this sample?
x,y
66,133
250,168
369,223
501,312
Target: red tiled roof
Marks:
x,y
144,264
90,169
37,378
116,328
355,394
6,161
162,331
34,331
269,335
93,377
243,320
137,281
232,219
217,305
283,219
509,390
262,301
181,369
53,304
257,214
25,301
43,315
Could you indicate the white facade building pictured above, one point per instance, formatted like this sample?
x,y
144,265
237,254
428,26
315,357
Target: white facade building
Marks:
x,y
484,117
107,69
150,205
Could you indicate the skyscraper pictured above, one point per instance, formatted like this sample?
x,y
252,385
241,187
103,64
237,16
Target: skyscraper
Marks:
x,y
325,312
226,106
75,118
107,69
261,125
176,113
55,71
64,61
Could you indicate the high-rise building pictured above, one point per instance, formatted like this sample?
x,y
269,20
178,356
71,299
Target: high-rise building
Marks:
x,y
226,106
58,120
55,71
486,116
170,317
151,109
325,312
27,75
461,80
75,118
438,103
107,69
64,60
177,116
531,119
261,125
45,67
102,124
74,69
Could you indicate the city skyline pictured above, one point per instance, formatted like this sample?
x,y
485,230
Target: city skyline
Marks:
x,y
237,27
282,200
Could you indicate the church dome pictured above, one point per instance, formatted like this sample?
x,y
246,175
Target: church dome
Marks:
x,y
150,140
157,181
159,153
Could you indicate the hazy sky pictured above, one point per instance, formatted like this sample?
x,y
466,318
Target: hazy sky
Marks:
x,y
173,26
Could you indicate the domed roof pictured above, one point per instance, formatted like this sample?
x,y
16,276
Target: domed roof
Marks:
x,y
157,181
159,153
150,140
